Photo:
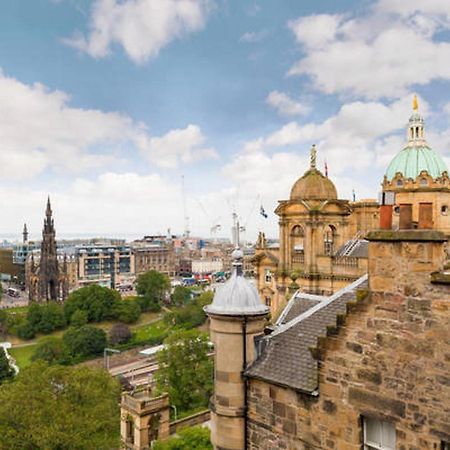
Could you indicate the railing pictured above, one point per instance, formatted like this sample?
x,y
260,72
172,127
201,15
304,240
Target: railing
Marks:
x,y
298,258
346,261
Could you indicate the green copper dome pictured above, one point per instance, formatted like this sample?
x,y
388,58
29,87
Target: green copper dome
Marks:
x,y
413,159
417,155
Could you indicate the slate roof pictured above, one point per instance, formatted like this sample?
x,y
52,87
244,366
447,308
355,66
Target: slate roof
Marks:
x,y
286,359
359,249
296,306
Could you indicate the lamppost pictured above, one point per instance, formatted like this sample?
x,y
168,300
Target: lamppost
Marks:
x,y
106,358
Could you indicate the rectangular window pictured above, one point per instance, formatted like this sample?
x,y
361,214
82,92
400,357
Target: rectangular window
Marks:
x,y
445,445
268,276
378,435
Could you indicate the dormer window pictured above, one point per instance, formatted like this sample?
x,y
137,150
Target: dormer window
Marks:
x,y
423,181
399,182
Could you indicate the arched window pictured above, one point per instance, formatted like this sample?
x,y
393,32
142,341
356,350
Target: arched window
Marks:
x,y
130,430
329,239
444,210
297,238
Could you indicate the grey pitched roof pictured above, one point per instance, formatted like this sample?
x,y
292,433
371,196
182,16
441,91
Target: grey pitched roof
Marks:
x,y
356,248
296,306
286,359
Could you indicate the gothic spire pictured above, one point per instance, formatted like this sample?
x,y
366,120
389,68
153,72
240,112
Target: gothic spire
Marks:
x,y
313,157
25,233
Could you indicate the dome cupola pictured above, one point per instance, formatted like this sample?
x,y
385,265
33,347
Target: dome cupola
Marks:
x,y
417,155
313,185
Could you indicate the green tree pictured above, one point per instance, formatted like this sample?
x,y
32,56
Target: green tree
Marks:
x,y
127,311
52,350
79,318
4,323
119,334
186,371
192,314
25,330
181,295
6,372
34,315
195,438
52,318
84,341
97,301
152,288
57,407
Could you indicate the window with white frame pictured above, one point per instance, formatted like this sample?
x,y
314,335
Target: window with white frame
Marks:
x,y
268,276
378,435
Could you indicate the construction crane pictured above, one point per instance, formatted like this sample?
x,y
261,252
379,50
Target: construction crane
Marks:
x,y
185,214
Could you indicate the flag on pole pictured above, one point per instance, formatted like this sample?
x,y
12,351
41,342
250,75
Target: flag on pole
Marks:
x,y
326,169
263,212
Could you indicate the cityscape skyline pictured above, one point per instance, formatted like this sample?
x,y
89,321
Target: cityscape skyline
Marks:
x,y
107,123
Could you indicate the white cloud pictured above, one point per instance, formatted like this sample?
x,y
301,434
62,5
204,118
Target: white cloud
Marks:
x,y
141,27
252,37
285,105
179,146
382,54
39,129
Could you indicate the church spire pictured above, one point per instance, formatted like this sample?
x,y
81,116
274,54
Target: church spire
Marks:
x,y
48,211
25,233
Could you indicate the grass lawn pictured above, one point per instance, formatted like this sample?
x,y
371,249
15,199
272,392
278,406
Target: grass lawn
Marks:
x,y
22,355
152,331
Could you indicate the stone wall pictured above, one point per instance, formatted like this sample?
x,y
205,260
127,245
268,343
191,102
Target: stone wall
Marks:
x,y
391,361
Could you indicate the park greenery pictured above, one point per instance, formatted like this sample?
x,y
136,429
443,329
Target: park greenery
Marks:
x,y
6,372
153,288
195,438
57,407
185,369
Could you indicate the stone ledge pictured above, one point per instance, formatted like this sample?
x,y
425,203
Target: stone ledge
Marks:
x,y
406,235
440,278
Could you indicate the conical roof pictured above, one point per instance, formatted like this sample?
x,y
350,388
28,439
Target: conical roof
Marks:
x,y
237,296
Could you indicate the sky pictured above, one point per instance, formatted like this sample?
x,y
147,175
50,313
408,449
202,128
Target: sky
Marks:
x,y
108,105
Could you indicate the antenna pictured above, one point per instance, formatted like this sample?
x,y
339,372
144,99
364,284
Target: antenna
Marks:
x,y
186,217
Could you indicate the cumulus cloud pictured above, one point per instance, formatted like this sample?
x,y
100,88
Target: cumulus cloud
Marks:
x,y
285,105
381,54
39,130
141,27
179,145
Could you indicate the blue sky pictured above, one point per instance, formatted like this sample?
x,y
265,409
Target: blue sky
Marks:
x,y
104,104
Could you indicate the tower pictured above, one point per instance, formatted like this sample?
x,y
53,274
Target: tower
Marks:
x,y
416,185
25,234
237,317
48,267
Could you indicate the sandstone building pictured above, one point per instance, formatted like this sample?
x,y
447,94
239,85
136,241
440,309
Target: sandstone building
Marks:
x,y
321,248
366,367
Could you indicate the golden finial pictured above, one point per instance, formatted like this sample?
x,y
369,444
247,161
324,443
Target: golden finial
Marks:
x,y
415,103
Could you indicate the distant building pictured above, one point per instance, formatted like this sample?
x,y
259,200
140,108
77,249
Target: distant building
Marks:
x,y
46,278
155,253
206,266
105,265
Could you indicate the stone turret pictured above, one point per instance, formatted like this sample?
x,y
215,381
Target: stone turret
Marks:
x,y
237,316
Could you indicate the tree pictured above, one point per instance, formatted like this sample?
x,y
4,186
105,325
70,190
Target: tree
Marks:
x,y
51,350
4,323
186,371
26,331
195,438
181,295
192,314
119,334
52,318
97,301
6,371
152,287
57,407
84,341
79,318
127,311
